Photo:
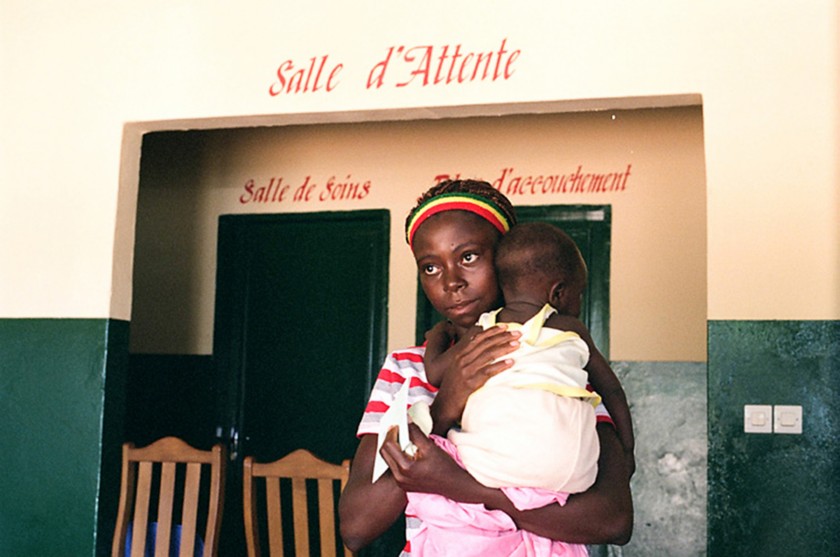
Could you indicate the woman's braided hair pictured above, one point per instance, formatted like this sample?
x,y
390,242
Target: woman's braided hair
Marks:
x,y
478,188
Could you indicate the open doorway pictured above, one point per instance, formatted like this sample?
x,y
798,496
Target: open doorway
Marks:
x,y
645,163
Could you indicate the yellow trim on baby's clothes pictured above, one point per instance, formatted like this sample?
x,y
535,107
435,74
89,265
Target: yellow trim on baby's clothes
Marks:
x,y
565,390
530,335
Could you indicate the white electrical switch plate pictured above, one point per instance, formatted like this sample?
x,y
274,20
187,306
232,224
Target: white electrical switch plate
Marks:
x,y
758,418
787,419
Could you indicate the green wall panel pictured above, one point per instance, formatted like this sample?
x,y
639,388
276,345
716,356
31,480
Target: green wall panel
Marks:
x,y
58,413
774,494
62,398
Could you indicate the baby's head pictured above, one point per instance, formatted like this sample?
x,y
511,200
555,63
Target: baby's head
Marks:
x,y
539,261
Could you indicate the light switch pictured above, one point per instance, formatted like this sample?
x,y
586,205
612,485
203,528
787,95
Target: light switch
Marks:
x,y
787,419
758,418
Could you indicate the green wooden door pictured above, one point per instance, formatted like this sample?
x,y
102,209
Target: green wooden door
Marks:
x,y
300,330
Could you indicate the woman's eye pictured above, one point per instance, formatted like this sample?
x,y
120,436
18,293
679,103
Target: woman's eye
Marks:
x,y
470,257
428,269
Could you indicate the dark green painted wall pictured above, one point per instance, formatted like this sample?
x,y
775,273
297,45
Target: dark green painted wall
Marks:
x,y
774,494
63,394
62,426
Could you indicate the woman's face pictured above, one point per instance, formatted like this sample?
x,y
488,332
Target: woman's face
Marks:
x,y
454,253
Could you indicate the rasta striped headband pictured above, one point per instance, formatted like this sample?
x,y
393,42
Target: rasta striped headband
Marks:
x,y
472,203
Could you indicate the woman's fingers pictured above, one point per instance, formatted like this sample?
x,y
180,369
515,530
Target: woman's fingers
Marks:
x,y
392,453
399,461
487,346
420,440
421,472
479,355
474,363
495,368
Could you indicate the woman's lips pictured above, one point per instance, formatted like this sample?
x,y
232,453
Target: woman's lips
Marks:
x,y
461,307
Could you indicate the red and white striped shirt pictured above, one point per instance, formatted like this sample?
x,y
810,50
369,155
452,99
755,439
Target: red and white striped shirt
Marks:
x,y
399,367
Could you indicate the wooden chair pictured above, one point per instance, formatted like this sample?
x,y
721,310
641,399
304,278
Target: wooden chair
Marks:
x,y
164,468
298,467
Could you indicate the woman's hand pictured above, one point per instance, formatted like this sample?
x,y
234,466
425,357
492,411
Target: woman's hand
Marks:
x,y
473,362
432,470
602,514
425,470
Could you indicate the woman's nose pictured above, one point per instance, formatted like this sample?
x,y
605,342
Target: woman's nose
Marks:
x,y
453,281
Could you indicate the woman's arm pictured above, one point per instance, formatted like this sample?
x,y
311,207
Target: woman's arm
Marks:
x,y
361,522
603,514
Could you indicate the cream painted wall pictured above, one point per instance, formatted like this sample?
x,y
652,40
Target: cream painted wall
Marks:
x,y
73,76
658,279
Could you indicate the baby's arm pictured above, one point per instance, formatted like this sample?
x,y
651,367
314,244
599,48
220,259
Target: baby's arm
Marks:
x,y
604,381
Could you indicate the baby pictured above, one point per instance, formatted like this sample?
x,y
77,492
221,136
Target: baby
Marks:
x,y
533,425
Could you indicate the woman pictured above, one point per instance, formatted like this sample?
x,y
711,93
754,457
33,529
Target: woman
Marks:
x,y
453,232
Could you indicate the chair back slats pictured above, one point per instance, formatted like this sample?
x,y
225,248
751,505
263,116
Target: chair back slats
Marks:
x,y
325,513
158,467
165,503
141,509
301,516
128,480
189,514
294,470
217,486
275,516
249,507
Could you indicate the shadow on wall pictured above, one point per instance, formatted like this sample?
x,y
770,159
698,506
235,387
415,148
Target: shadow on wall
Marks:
x,y
170,395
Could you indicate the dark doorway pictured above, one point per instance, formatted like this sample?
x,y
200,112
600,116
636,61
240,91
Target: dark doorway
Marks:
x,y
300,330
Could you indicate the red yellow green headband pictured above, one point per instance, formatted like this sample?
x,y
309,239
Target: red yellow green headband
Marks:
x,y
475,204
